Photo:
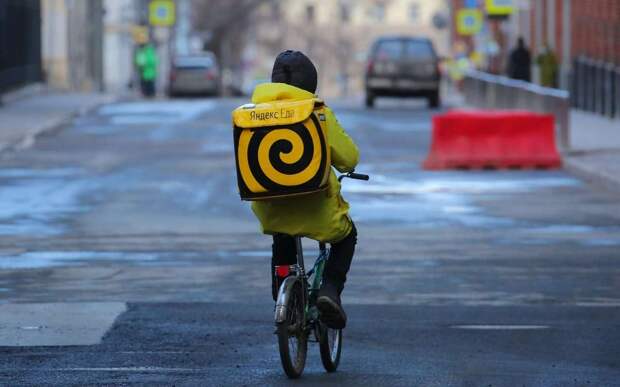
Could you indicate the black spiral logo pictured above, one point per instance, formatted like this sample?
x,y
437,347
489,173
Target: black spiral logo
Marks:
x,y
281,159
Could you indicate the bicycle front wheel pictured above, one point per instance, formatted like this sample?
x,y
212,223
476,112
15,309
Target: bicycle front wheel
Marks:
x,y
292,337
330,344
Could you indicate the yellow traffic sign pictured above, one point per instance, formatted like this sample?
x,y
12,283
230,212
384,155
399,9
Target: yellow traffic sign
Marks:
x,y
468,21
162,13
500,7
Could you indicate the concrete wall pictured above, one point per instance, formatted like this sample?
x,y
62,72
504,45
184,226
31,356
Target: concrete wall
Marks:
x,y
54,42
118,44
72,43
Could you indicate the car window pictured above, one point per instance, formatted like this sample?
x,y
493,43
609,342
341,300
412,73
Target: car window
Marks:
x,y
196,62
419,49
389,49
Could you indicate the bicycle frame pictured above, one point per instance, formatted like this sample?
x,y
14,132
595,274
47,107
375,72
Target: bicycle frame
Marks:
x,y
313,289
309,292
295,326
310,314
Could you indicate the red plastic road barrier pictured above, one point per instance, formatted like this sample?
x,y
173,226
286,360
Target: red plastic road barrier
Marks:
x,y
497,139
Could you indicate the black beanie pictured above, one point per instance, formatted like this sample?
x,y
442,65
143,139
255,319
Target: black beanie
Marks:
x,y
296,69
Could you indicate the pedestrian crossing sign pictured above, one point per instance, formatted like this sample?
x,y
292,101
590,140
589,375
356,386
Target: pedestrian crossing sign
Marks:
x,y
161,13
468,21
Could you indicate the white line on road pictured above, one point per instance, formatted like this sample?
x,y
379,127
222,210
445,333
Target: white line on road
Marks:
x,y
501,327
130,369
56,324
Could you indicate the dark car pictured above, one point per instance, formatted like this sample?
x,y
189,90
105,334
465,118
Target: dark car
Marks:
x,y
403,67
195,74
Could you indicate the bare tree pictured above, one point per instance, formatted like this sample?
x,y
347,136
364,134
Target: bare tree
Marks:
x,y
228,23
225,22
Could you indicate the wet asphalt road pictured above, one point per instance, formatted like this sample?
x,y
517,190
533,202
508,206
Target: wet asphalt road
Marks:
x,y
461,278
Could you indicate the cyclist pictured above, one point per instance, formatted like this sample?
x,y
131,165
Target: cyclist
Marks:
x,y
322,216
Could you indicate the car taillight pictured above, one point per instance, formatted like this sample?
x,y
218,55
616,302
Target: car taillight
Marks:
x,y
210,75
370,67
173,75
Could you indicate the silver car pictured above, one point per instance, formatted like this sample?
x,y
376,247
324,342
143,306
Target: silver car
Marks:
x,y
196,74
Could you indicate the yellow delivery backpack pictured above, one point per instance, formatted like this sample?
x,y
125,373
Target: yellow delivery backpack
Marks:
x,y
281,149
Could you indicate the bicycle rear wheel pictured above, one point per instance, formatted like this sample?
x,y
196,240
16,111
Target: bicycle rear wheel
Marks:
x,y
330,345
292,337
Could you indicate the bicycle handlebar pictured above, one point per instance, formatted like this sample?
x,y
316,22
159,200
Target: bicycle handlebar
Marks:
x,y
353,175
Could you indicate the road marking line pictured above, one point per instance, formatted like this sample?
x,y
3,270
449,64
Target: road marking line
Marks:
x,y
31,328
130,369
57,323
501,327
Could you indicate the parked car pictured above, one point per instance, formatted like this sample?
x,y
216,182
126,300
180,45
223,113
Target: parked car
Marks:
x,y
403,67
196,74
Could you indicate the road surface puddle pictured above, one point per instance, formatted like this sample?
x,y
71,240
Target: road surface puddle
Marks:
x,y
490,327
155,112
32,200
436,201
432,200
45,259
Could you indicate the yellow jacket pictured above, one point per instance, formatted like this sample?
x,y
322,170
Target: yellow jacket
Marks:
x,y
322,216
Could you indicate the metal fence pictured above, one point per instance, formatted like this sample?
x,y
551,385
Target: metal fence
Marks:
x,y
20,43
596,87
499,92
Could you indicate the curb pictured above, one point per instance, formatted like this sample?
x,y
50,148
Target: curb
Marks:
x,y
53,125
590,174
23,92
30,138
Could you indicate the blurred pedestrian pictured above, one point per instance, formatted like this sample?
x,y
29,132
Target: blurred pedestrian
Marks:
x,y
459,64
520,62
147,61
548,67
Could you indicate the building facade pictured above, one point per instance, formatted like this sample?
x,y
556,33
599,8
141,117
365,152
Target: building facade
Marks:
x,y
89,45
597,30
337,35
72,45
571,28
119,21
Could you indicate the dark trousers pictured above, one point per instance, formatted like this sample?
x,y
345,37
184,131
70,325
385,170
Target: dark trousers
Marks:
x,y
148,87
337,266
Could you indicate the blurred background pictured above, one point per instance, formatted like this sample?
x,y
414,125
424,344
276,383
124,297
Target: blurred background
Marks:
x,y
91,45
126,255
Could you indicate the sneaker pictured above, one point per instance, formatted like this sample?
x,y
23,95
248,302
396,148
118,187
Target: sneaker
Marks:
x,y
330,308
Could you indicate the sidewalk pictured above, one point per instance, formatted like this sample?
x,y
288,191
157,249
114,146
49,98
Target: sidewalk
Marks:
x,y
23,119
595,149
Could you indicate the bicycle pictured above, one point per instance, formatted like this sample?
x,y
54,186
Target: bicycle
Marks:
x,y
296,314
